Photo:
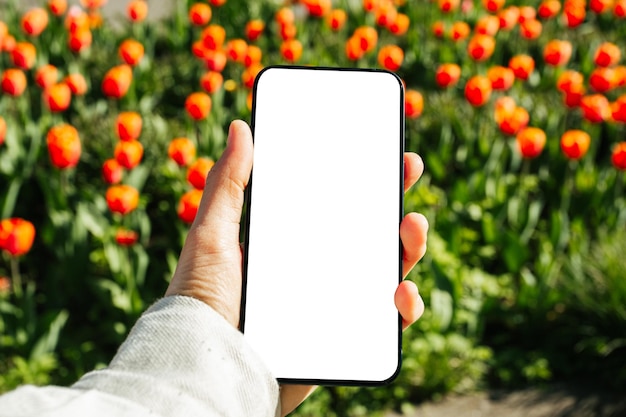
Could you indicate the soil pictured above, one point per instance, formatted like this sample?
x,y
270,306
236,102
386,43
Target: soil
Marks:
x,y
561,400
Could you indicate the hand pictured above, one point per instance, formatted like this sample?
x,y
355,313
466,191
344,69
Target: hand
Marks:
x,y
210,264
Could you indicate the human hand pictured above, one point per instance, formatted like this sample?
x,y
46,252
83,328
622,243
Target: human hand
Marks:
x,y
210,264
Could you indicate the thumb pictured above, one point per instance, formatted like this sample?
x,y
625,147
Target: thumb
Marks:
x,y
220,209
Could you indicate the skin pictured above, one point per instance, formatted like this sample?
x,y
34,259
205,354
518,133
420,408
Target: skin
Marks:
x,y
210,264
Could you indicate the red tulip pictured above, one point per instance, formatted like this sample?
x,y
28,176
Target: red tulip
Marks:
x,y
34,21
531,141
447,75
131,51
13,82
198,171
478,90
128,153
128,125
188,205
112,171
57,97
595,108
125,237
575,143
24,55
122,199
182,151
198,105
200,14
16,236
413,103
618,156
64,146
390,57
116,81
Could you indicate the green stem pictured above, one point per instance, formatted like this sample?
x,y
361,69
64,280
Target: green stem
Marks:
x,y
16,278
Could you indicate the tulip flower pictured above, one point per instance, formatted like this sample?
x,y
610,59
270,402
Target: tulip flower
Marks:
x,y
215,60
198,171
34,21
188,205
213,37
217,3
548,9
64,146
122,198
478,90
112,171
508,17
413,104
607,54
574,13
200,14
236,50
3,130
80,39
254,28
336,19
600,6
618,156
291,50
447,75
385,14
13,82
567,79
131,51
198,105
595,108
317,8
448,6
128,153
400,25
493,5
439,29
602,79
514,121
253,55
459,31
211,81
57,97
526,13
367,37
619,9
249,75
128,125
24,55
182,151
46,76
137,10
503,107
16,236
557,52
501,78
531,29
77,84
57,7
390,57
116,81
93,4
487,25
575,143
531,141
125,237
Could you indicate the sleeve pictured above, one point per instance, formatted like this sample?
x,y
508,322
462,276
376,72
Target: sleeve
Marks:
x,y
180,358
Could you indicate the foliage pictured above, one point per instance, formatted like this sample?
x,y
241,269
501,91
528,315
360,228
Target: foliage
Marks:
x,y
522,278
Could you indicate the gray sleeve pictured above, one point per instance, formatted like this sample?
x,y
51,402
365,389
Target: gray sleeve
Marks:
x,y
181,358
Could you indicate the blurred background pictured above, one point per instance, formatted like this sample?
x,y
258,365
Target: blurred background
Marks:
x,y
112,113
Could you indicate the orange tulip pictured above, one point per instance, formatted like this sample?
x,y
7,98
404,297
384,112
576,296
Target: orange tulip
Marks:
x,y
595,108
557,52
128,125
574,95
508,17
526,13
548,9
254,28
385,14
317,8
77,83
503,107
619,9
249,75
371,5
285,16
200,14
116,81
390,57
531,29
618,156
211,81
607,54
448,6
618,109
602,79
620,75
481,47
487,25
8,44
501,78
367,37
288,31
182,151
478,90
574,13
213,37
439,29
568,78
34,21
253,55
125,237
3,130
493,5
137,10
128,153
575,143
93,4
13,82
16,236
76,20
600,6
353,49
57,97
4,31
400,25
531,141
198,171
291,50
447,75
459,31
24,55
46,76
236,50
511,123
112,171
188,205
80,39
336,19
198,105
215,60
413,104
64,146
217,3
57,7
122,198
131,51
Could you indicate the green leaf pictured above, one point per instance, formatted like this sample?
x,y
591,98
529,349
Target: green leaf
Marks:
x,y
48,342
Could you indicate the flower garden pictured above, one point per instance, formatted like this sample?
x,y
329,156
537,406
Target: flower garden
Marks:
x,y
109,126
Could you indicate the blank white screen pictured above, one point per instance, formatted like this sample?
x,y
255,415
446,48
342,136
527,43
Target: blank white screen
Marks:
x,y
323,250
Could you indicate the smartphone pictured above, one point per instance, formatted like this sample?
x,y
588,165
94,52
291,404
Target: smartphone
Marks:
x,y
322,252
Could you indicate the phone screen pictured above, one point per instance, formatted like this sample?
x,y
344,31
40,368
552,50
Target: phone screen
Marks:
x,y
322,256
